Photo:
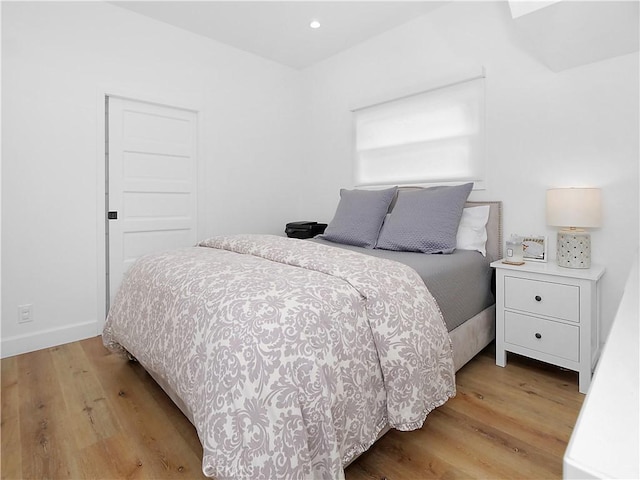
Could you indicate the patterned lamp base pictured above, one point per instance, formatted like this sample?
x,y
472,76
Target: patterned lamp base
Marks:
x,y
574,249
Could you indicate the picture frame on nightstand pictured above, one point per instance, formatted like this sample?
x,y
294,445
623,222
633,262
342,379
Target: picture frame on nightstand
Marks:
x,y
534,248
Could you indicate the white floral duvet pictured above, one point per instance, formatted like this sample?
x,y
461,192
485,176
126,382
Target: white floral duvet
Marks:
x,y
290,356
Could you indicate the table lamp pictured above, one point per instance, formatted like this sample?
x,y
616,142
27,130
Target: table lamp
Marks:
x,y
574,209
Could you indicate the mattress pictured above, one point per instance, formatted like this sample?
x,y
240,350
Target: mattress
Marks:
x,y
460,282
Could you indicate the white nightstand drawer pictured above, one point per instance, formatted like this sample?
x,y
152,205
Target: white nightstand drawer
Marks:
x,y
565,315
546,336
542,298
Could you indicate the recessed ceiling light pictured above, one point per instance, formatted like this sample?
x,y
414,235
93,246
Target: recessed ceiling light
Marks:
x,y
314,24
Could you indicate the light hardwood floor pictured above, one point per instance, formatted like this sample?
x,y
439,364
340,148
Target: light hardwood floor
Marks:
x,y
78,412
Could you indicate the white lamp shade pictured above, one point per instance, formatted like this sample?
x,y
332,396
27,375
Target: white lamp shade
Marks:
x,y
574,207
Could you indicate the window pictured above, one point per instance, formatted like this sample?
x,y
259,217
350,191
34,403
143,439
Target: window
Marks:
x,y
437,136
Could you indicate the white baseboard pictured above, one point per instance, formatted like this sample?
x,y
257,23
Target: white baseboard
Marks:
x,y
47,338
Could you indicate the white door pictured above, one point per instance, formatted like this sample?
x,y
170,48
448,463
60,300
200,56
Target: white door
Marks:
x,y
152,182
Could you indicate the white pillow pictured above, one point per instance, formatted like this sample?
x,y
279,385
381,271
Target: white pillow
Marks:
x,y
472,231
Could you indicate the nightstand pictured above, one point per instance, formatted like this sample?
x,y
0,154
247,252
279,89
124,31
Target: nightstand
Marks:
x,y
549,313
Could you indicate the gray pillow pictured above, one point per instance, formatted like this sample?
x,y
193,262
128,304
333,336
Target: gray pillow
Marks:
x,y
359,217
425,220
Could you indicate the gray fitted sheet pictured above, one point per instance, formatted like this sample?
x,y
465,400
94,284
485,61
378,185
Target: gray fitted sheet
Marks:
x,y
460,282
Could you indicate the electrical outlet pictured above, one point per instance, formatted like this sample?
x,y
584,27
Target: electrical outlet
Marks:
x,y
25,313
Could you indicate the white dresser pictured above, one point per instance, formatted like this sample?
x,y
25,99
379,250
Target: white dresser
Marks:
x,y
549,313
606,439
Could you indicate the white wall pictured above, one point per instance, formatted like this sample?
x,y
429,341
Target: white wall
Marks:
x,y
56,60
265,126
545,129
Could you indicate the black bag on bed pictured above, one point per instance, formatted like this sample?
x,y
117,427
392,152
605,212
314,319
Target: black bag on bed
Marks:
x,y
304,229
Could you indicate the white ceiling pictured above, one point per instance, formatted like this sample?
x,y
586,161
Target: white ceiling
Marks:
x,y
279,30
567,34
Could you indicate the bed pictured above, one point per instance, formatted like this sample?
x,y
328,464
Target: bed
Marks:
x,y
291,357
469,307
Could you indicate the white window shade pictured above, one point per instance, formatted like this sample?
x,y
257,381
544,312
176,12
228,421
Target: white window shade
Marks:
x,y
431,137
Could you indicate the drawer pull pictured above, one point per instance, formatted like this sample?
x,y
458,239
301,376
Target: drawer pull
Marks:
x,y
538,336
538,298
